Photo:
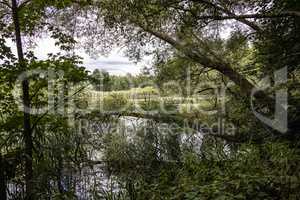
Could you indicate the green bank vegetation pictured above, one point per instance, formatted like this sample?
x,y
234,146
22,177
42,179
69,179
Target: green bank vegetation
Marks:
x,y
167,133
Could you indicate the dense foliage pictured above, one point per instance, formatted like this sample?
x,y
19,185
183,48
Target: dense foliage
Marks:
x,y
188,128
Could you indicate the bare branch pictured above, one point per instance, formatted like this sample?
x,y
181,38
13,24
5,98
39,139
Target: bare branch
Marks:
x,y
23,4
206,89
293,13
228,138
252,16
67,98
230,14
5,3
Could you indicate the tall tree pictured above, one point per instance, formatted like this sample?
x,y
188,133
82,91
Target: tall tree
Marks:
x,y
190,27
193,29
26,104
28,18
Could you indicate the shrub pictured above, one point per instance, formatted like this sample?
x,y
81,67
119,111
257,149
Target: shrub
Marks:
x,y
115,102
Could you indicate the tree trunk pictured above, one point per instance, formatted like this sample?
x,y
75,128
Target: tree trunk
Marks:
x,y
130,189
192,52
59,174
27,132
2,179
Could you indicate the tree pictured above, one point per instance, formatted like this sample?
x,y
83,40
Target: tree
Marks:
x,y
22,26
192,30
26,103
101,80
162,155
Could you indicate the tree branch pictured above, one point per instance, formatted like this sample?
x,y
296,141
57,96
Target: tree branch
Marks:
x,y
293,13
67,98
195,55
23,4
178,120
253,16
230,14
159,35
206,89
6,4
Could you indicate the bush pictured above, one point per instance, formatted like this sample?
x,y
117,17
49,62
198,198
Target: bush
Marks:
x,y
149,105
115,102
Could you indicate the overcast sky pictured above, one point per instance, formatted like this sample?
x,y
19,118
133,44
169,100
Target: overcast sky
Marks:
x,y
115,63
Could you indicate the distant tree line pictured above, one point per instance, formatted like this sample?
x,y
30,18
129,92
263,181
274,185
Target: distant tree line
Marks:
x,y
103,81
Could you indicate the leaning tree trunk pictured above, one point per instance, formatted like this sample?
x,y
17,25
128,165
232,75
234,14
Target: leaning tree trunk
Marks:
x,y
192,52
27,132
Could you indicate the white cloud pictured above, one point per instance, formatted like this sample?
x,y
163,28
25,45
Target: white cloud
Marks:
x,y
115,63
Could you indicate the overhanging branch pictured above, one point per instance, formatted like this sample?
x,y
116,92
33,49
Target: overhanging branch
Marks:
x,y
6,4
250,16
253,25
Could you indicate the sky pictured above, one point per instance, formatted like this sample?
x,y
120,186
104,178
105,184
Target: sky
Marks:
x,y
115,63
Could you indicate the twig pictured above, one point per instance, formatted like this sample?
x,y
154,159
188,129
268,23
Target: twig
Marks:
x,y
67,98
